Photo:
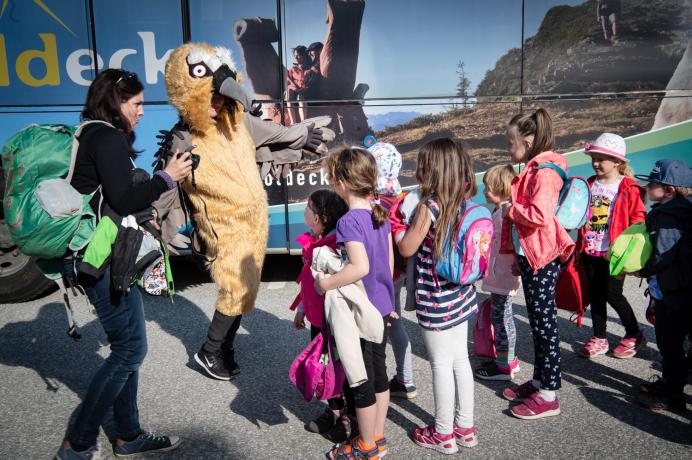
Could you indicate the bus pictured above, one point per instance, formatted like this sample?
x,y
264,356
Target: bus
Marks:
x,y
395,71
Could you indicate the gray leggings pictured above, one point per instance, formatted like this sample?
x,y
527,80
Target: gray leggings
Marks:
x,y
401,345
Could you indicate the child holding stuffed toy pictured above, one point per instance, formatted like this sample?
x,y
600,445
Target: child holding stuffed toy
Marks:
x,y
365,240
500,282
617,202
323,209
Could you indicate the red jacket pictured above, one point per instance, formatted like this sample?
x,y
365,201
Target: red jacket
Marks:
x,y
629,208
535,193
313,303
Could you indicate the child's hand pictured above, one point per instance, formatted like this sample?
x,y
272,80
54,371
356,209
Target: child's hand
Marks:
x,y
394,315
318,284
299,320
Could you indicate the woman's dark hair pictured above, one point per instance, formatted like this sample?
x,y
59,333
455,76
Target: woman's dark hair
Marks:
x,y
109,89
539,125
328,206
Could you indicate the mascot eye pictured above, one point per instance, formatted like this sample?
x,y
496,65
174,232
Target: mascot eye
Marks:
x,y
199,71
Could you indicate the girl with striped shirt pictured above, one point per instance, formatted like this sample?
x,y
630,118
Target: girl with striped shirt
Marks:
x,y
445,175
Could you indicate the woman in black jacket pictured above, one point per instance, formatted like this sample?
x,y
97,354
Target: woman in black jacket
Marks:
x,y
105,158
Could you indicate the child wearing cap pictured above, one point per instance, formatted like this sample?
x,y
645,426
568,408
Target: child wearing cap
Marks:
x,y
669,272
617,202
389,193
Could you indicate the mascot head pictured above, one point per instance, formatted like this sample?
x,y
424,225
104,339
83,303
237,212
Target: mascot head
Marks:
x,y
196,74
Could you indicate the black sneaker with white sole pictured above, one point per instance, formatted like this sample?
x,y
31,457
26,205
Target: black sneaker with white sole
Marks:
x,y
229,361
212,363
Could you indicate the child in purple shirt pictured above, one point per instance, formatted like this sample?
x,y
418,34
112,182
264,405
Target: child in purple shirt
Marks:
x,y
365,237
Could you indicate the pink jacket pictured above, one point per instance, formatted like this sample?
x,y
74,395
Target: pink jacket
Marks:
x,y
500,279
313,303
535,193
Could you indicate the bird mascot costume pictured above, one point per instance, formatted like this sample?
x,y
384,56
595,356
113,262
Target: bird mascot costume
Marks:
x,y
226,196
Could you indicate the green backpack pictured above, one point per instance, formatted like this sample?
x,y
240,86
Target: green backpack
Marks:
x,y
45,216
630,251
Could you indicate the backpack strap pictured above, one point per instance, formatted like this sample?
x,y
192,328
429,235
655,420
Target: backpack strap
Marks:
x,y
75,145
561,172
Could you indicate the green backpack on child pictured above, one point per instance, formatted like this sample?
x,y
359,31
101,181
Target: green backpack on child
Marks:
x,y
630,251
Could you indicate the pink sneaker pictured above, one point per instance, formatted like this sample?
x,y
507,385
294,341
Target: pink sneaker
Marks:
x,y
536,407
519,393
466,437
629,346
595,347
431,439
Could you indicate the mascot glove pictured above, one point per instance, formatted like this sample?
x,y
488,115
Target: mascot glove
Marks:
x,y
314,137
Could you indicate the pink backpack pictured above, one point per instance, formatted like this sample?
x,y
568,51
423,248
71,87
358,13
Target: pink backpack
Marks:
x,y
484,332
315,372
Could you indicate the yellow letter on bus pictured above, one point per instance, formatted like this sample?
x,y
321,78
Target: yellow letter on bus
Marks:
x,y
4,70
50,59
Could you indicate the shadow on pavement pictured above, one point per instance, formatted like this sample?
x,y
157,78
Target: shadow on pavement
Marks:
x,y
618,399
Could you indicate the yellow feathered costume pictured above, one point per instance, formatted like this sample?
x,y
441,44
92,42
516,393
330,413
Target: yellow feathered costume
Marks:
x,y
228,199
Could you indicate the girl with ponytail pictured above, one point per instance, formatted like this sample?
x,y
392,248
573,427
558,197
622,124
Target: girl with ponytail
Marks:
x,y
541,245
365,238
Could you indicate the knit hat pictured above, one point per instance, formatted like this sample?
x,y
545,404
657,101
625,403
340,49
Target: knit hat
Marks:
x,y
388,161
669,172
608,144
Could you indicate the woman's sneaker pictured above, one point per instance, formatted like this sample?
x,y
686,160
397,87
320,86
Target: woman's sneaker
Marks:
x,y
401,390
67,453
519,393
491,371
466,437
629,346
536,407
595,347
146,443
429,438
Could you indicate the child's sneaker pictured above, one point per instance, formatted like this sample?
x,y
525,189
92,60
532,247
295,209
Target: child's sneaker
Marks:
x,y
519,393
352,450
431,439
629,346
595,347
323,423
656,397
466,437
401,390
536,407
491,371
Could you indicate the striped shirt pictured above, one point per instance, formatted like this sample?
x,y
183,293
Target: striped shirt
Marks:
x,y
440,304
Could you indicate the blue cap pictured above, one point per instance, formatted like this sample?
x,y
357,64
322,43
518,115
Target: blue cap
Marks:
x,y
669,172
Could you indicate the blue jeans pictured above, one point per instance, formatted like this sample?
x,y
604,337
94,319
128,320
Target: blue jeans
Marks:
x,y
115,383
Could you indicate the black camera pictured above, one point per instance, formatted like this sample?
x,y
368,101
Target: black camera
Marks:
x,y
193,156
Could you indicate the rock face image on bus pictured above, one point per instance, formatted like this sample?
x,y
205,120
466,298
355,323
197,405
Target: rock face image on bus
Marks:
x,y
359,72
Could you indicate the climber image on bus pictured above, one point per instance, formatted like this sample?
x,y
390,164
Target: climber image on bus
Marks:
x,y
309,77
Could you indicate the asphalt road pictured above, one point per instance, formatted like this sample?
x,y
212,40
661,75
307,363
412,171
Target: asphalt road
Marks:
x,y
43,375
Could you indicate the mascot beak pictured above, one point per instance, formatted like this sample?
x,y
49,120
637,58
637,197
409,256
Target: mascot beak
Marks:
x,y
225,84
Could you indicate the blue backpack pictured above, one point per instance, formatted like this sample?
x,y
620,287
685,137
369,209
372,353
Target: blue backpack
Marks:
x,y
468,260
575,198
